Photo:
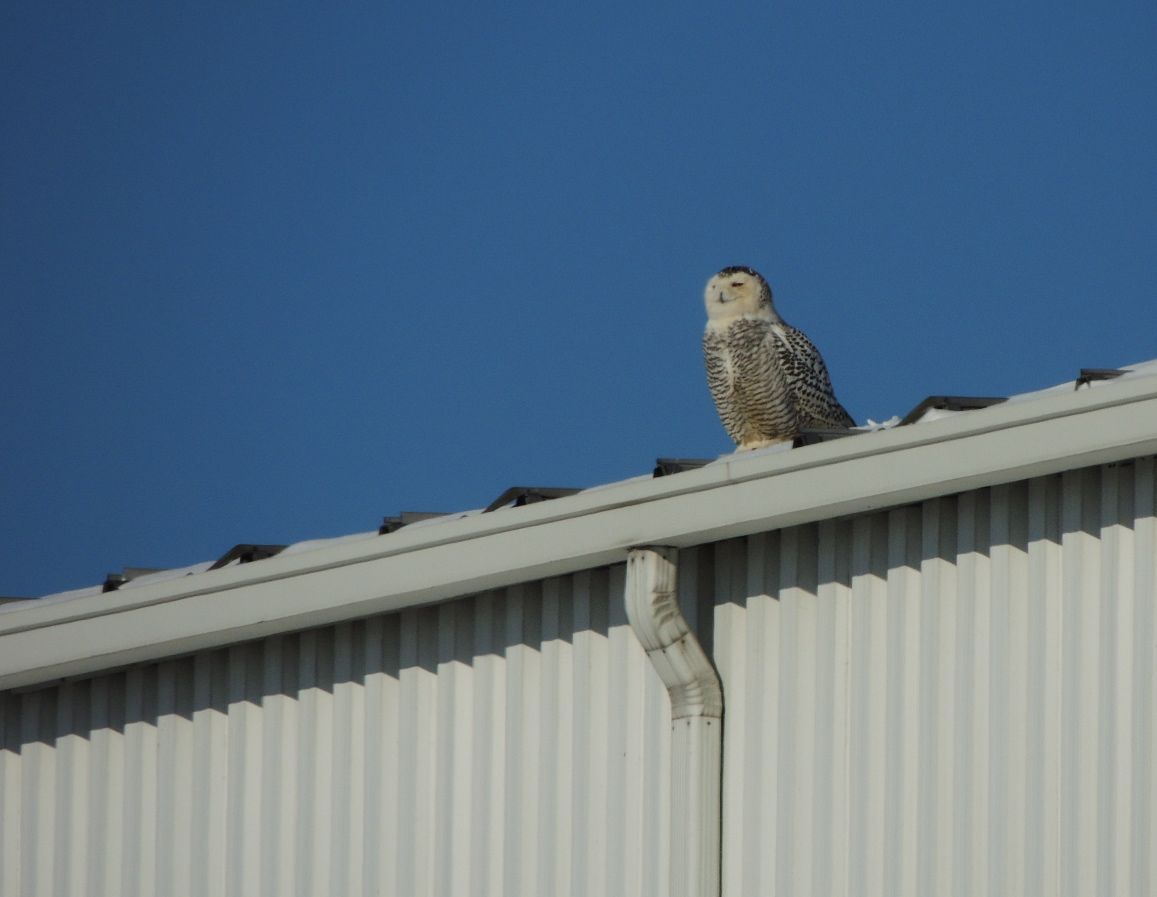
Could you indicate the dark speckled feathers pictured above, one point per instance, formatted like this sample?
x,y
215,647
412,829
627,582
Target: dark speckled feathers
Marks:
x,y
740,269
810,384
748,381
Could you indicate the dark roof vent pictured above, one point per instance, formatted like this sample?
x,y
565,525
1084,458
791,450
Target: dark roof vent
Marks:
x,y
517,496
114,581
246,553
664,467
951,403
1088,375
816,435
393,524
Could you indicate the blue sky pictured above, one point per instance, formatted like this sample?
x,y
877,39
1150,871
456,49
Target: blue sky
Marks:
x,y
271,272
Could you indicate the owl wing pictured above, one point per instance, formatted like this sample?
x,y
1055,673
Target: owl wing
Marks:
x,y
807,376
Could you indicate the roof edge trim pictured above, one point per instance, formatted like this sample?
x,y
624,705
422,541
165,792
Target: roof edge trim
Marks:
x,y
744,494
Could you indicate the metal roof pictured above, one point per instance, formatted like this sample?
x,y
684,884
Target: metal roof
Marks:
x,y
433,560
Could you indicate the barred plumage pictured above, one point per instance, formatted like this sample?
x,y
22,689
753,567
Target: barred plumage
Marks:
x,y
768,380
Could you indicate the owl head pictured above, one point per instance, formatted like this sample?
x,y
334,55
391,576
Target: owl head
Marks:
x,y
738,291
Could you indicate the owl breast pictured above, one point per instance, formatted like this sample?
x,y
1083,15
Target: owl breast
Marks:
x,y
748,382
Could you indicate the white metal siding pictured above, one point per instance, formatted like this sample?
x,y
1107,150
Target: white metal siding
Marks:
x,y
955,697
510,743
950,698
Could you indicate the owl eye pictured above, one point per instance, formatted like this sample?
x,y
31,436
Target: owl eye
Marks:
x,y
737,283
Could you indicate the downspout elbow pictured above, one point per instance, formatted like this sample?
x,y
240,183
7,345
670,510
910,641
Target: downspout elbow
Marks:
x,y
674,651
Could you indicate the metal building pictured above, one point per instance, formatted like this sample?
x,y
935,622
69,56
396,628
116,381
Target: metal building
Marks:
x,y
916,661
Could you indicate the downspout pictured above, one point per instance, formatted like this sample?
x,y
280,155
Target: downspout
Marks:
x,y
696,718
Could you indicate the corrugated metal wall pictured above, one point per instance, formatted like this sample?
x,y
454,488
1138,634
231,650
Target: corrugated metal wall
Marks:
x,y
511,743
951,698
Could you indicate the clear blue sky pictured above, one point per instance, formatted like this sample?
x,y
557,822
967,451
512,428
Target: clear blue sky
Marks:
x,y
271,272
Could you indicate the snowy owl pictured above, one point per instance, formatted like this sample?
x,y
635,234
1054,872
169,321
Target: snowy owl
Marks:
x,y
767,379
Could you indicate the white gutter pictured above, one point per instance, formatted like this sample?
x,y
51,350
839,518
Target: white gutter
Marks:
x,y
741,495
696,719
